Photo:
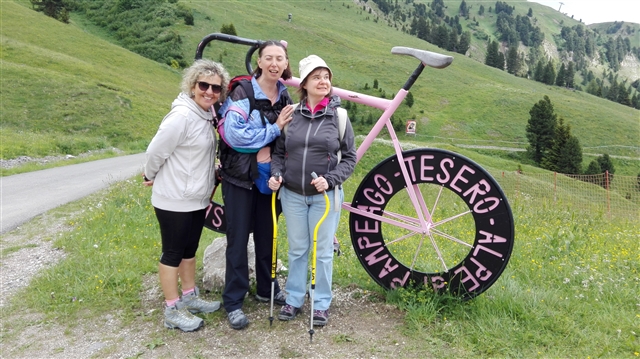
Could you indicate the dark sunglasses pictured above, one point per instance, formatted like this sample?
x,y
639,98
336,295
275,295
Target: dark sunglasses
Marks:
x,y
204,86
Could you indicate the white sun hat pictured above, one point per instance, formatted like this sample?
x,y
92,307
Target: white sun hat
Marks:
x,y
310,63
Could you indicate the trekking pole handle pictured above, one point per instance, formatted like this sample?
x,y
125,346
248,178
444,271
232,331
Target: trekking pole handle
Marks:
x,y
315,176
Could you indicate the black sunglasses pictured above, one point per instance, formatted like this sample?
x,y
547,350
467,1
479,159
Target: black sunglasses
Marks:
x,y
204,86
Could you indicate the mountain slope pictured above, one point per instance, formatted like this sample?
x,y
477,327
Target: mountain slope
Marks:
x,y
72,91
467,101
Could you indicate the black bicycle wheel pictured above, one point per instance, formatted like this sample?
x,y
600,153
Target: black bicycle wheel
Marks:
x,y
470,226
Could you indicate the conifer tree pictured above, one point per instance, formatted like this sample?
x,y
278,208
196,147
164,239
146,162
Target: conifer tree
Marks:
x,y
53,8
464,43
595,173
593,168
409,99
549,76
500,61
606,164
464,9
538,74
541,129
565,155
561,76
513,61
569,75
494,57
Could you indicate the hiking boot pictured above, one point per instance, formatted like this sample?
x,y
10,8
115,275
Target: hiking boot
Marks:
x,y
320,317
237,319
280,298
288,312
194,304
181,319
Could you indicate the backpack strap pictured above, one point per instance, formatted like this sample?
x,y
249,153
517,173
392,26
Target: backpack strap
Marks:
x,y
248,90
342,125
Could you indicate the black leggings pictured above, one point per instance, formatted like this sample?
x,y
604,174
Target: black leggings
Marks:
x,y
180,232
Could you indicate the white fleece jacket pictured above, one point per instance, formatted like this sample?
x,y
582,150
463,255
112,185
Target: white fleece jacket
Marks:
x,y
180,158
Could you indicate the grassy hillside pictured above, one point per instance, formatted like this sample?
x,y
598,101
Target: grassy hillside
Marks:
x,y
67,91
109,96
466,100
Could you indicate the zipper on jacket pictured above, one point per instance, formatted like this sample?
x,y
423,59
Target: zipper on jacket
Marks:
x,y
304,154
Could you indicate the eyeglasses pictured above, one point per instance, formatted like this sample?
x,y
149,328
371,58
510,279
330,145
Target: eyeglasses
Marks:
x,y
204,86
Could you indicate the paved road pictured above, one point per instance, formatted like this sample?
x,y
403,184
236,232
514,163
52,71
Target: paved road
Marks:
x,y
27,195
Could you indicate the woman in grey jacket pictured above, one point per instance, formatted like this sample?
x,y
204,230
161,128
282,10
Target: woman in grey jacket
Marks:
x,y
180,167
311,143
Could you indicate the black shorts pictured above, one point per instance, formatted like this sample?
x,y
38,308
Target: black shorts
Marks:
x,y
180,232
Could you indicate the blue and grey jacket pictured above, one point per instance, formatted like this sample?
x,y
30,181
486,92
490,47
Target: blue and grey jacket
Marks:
x,y
244,136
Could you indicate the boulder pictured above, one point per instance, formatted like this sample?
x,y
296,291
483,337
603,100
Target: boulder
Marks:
x,y
214,262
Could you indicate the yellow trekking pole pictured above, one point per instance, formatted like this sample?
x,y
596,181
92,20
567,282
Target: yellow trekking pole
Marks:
x,y
313,260
274,255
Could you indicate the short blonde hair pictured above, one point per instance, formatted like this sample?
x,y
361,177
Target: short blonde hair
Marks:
x,y
204,67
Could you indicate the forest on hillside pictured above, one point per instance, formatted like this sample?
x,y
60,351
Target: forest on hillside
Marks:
x,y
579,46
516,45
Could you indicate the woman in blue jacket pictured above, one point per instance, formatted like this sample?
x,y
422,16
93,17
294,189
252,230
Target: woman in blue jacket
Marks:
x,y
311,143
246,131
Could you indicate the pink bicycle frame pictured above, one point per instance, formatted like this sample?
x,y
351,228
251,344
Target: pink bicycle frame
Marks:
x,y
388,107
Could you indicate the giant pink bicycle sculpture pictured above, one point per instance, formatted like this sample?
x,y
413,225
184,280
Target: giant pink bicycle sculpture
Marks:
x,y
426,215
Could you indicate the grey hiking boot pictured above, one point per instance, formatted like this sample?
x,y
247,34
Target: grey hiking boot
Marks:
x,y
194,304
181,319
237,319
280,298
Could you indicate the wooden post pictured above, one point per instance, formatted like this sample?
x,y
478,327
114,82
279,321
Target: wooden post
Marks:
x,y
606,187
555,186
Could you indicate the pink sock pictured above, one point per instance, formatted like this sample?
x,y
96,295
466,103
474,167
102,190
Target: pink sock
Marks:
x,y
188,291
172,302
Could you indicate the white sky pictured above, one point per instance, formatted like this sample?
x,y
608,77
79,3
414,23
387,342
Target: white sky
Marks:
x,y
596,11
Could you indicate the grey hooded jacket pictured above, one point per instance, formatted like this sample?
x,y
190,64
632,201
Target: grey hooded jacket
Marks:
x,y
311,144
181,158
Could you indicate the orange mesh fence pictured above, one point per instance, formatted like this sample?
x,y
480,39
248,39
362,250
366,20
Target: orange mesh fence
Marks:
x,y
614,195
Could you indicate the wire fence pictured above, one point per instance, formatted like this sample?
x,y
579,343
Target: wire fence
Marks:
x,y
614,195
631,152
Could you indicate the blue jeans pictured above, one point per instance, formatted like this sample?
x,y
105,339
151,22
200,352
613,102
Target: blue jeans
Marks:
x,y
302,213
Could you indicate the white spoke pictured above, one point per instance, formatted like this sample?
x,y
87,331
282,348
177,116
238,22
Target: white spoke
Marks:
x,y
451,218
459,241
435,246
415,256
401,238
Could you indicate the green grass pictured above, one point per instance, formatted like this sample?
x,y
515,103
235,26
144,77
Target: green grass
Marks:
x,y
66,91
570,289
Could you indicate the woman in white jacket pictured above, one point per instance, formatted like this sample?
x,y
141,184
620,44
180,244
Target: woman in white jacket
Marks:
x,y
180,167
